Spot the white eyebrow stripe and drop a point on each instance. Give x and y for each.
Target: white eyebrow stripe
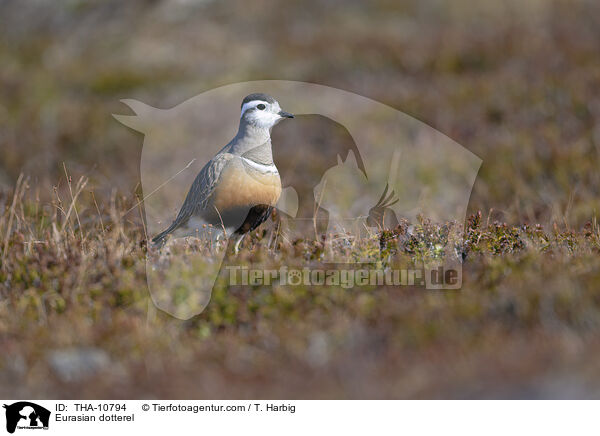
(252, 104)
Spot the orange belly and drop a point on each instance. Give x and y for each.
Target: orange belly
(241, 187)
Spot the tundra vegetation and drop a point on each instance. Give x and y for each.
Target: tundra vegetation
(517, 83)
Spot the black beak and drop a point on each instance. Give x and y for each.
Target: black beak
(283, 114)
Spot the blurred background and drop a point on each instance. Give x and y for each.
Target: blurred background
(515, 82)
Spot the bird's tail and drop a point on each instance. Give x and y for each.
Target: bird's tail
(159, 240)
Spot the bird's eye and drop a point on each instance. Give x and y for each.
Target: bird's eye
(261, 107)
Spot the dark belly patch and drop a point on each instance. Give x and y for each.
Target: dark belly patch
(256, 216)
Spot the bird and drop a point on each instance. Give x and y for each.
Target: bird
(238, 188)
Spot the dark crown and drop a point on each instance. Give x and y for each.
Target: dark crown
(258, 96)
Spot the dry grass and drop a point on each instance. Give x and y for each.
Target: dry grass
(515, 83)
(529, 310)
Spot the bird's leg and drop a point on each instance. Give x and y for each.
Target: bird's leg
(236, 248)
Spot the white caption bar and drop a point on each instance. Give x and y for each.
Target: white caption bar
(299, 417)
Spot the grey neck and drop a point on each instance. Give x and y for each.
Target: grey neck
(253, 143)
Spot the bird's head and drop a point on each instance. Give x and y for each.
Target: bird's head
(262, 110)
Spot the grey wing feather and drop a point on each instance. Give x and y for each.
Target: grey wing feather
(199, 194)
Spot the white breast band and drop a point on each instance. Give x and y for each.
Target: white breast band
(271, 168)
